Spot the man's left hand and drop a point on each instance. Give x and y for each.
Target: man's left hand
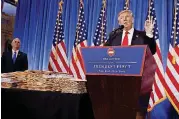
(149, 25)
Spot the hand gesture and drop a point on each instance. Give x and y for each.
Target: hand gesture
(149, 25)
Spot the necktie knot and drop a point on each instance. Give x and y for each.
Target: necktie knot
(126, 32)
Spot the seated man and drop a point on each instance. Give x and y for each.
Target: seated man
(14, 60)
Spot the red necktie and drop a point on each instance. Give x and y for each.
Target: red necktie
(125, 40)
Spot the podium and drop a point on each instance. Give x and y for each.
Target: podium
(116, 78)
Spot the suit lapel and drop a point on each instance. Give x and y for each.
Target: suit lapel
(117, 40)
(10, 57)
(120, 38)
(134, 37)
(18, 55)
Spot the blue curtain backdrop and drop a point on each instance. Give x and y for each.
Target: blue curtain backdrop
(35, 21)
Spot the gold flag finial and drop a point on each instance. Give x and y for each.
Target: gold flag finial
(81, 2)
(60, 5)
(104, 3)
(126, 5)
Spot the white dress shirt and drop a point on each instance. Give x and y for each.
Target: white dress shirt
(130, 34)
(17, 51)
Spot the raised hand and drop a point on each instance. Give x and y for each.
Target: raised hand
(149, 25)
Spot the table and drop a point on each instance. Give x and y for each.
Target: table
(27, 104)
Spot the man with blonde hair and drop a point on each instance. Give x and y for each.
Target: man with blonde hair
(14, 60)
(130, 36)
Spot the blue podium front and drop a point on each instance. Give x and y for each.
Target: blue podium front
(116, 79)
(114, 60)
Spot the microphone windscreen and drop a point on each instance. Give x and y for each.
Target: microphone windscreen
(122, 26)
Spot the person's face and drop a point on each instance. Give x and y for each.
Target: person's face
(126, 19)
(16, 44)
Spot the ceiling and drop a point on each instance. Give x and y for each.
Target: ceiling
(9, 7)
(10, 2)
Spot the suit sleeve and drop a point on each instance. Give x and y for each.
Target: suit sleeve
(25, 63)
(3, 63)
(151, 44)
(112, 36)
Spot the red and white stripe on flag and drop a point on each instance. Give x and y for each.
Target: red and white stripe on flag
(76, 65)
(172, 76)
(158, 92)
(172, 69)
(58, 59)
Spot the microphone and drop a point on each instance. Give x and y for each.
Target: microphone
(113, 34)
(120, 28)
(117, 30)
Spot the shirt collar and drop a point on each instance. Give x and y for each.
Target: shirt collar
(130, 31)
(14, 51)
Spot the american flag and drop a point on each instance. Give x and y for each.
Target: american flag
(126, 5)
(76, 67)
(100, 36)
(172, 69)
(58, 59)
(158, 92)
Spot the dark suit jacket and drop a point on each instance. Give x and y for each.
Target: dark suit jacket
(138, 38)
(7, 65)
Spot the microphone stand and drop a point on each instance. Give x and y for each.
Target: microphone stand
(114, 33)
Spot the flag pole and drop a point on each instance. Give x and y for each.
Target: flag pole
(149, 9)
(174, 36)
(81, 3)
(102, 32)
(61, 6)
(77, 31)
(59, 12)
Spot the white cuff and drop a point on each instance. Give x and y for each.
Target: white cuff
(149, 35)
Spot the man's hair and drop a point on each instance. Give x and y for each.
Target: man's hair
(129, 11)
(16, 38)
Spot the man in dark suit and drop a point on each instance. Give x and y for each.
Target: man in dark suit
(130, 36)
(127, 35)
(14, 60)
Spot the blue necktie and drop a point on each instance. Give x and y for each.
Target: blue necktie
(14, 57)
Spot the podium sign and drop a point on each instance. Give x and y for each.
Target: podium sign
(117, 77)
(114, 60)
